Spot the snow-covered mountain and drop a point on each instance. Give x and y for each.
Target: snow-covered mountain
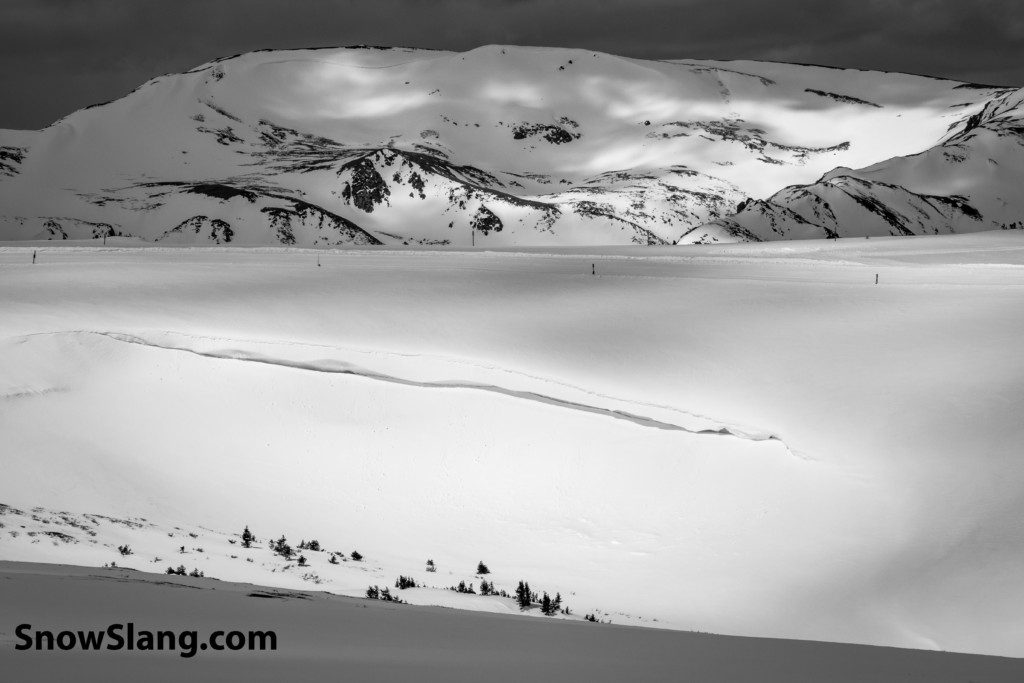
(507, 146)
(967, 182)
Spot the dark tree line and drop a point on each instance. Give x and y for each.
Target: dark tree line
(404, 582)
(181, 571)
(378, 593)
(549, 606)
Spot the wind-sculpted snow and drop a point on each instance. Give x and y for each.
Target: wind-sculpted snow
(415, 147)
(571, 398)
(346, 368)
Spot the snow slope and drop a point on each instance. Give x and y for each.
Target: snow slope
(497, 146)
(749, 439)
(967, 182)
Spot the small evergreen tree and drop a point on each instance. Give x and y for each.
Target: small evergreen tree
(334, 559)
(481, 568)
(281, 547)
(247, 538)
(523, 595)
(545, 605)
(357, 556)
(430, 566)
(373, 592)
(302, 560)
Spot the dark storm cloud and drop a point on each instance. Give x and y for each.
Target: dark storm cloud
(59, 55)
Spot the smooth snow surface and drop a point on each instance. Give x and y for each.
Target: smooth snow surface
(747, 439)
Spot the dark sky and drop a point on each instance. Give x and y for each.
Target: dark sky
(60, 55)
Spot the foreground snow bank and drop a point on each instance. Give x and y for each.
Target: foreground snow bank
(320, 636)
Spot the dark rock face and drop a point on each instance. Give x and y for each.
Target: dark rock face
(10, 159)
(101, 230)
(54, 230)
(281, 223)
(338, 230)
(367, 188)
(220, 232)
(63, 228)
(556, 135)
(225, 136)
(224, 192)
(846, 99)
(738, 130)
(485, 221)
(417, 183)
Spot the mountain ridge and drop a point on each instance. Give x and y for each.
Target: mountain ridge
(499, 146)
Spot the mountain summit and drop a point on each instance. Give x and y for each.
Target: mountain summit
(503, 146)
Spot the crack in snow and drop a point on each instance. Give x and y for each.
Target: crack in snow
(339, 367)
